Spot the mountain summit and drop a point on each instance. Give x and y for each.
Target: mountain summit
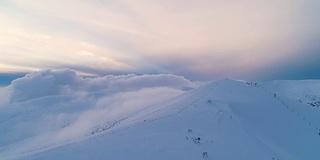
(224, 120)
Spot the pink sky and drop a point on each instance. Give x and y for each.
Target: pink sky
(206, 39)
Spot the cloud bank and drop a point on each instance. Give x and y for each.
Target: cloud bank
(56, 106)
(64, 82)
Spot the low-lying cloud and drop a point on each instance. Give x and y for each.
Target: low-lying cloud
(115, 107)
(55, 106)
(62, 82)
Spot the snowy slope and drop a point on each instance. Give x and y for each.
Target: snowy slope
(304, 91)
(234, 120)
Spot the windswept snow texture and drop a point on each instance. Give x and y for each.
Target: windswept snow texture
(304, 91)
(227, 119)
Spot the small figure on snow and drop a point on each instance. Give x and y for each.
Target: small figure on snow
(197, 140)
(189, 130)
(205, 155)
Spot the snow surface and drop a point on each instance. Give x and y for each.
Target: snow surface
(234, 120)
(304, 91)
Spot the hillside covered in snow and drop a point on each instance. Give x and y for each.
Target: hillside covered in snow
(57, 115)
(304, 91)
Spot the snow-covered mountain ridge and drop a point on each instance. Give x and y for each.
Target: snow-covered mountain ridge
(304, 91)
(224, 120)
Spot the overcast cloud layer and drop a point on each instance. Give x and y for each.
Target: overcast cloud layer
(206, 39)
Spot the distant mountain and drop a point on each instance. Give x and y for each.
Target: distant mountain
(225, 120)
